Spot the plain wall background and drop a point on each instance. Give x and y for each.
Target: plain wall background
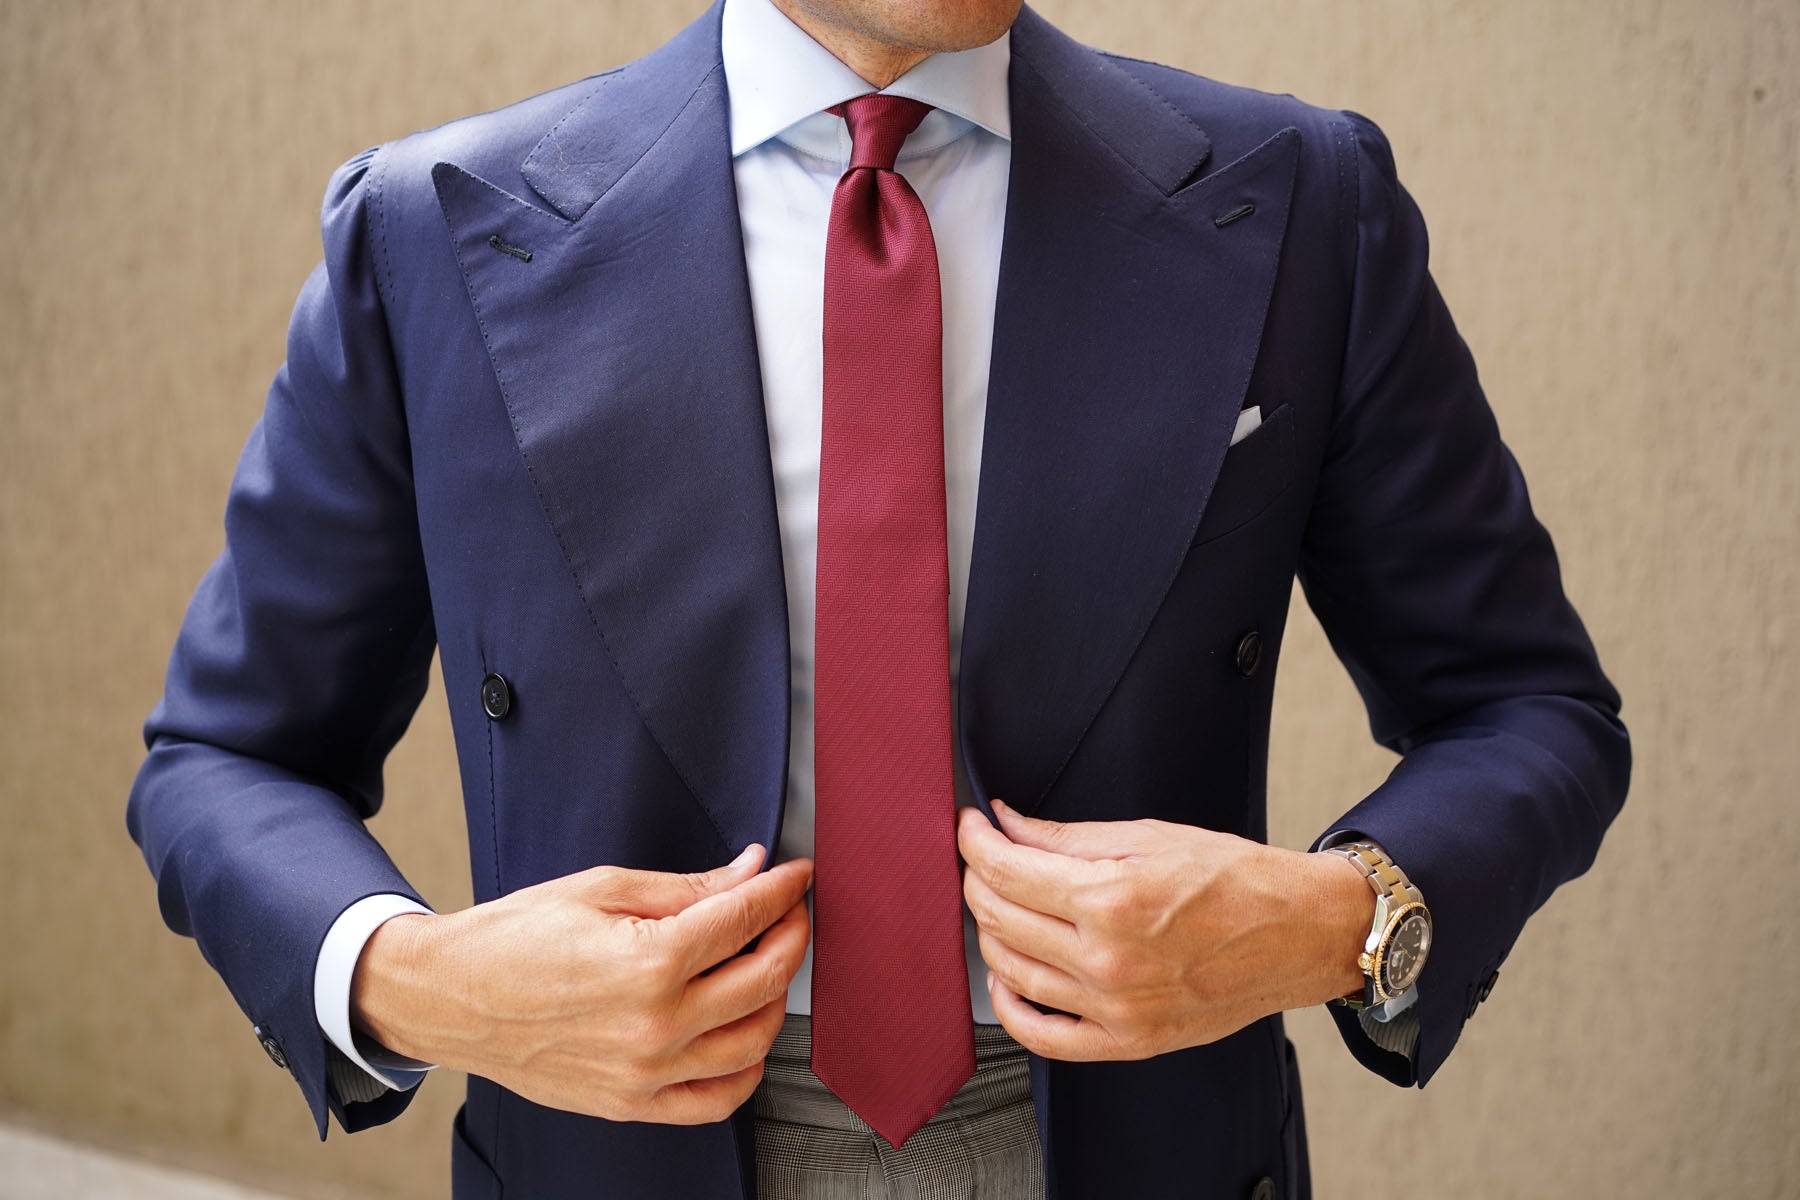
(1612, 190)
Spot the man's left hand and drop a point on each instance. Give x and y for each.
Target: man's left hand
(1150, 936)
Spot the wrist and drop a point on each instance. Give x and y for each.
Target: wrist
(392, 983)
(1345, 912)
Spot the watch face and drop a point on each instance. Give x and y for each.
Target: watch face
(1406, 951)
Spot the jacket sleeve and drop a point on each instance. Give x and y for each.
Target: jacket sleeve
(300, 661)
(1441, 594)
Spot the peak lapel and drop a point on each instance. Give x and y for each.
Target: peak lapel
(624, 349)
(1126, 327)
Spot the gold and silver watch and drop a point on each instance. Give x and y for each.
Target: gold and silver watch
(1400, 939)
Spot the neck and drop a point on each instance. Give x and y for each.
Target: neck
(876, 62)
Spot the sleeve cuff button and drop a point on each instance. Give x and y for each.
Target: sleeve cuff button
(271, 1046)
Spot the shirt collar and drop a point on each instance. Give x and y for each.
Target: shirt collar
(777, 76)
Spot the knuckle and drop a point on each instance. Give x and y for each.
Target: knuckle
(1033, 1041)
(594, 887)
(979, 905)
(1120, 1017)
(657, 1032)
(993, 951)
(636, 1078)
(1109, 968)
(743, 1088)
(1113, 905)
(751, 1053)
(653, 960)
(646, 937)
(737, 923)
(773, 979)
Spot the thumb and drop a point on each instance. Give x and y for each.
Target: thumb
(1077, 839)
(656, 894)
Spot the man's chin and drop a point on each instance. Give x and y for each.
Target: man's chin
(931, 26)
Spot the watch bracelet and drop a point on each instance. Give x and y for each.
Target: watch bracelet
(1376, 865)
(1389, 882)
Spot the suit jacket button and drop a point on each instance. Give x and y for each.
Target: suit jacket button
(496, 697)
(1481, 993)
(1249, 653)
(271, 1046)
(1264, 1189)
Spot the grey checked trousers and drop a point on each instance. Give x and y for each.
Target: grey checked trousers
(982, 1145)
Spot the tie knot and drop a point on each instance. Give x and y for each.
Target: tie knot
(878, 127)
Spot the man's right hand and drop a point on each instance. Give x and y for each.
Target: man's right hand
(592, 993)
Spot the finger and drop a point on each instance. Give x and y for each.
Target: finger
(746, 982)
(1079, 839)
(718, 926)
(1036, 879)
(1032, 979)
(703, 1101)
(1050, 1035)
(1049, 939)
(654, 894)
(731, 1048)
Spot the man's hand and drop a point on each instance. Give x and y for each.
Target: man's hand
(1153, 936)
(592, 993)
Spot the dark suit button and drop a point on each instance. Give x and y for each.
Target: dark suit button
(1482, 993)
(1264, 1189)
(1249, 653)
(270, 1046)
(496, 697)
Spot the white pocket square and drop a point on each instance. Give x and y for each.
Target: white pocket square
(1247, 422)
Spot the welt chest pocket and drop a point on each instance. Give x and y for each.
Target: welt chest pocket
(1255, 473)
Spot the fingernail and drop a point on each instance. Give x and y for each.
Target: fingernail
(990, 981)
(999, 803)
(746, 854)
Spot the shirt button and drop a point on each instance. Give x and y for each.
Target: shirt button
(496, 697)
(1249, 653)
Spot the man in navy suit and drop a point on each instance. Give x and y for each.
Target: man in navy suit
(552, 407)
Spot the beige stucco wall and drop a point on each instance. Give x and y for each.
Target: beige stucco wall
(1612, 186)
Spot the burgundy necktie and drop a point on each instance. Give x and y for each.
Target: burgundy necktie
(891, 1027)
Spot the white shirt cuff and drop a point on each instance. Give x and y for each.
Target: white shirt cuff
(342, 946)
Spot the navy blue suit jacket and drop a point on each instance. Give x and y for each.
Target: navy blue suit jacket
(557, 469)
